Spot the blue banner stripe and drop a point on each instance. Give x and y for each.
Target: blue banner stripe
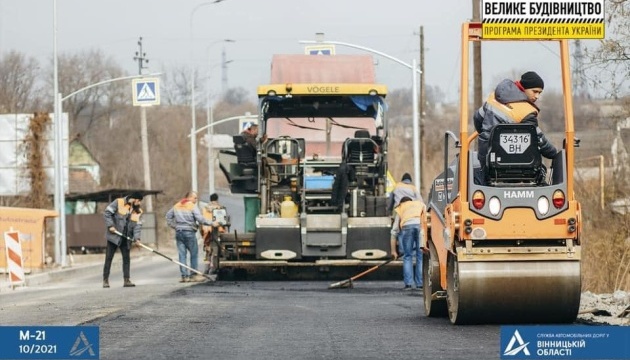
(565, 342)
(49, 342)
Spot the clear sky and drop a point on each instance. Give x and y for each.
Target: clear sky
(262, 28)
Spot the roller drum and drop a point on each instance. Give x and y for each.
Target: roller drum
(513, 291)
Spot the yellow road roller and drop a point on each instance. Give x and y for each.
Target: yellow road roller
(503, 232)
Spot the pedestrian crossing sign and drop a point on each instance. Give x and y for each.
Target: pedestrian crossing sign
(244, 124)
(146, 91)
(320, 50)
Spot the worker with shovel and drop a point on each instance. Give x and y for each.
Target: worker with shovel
(122, 219)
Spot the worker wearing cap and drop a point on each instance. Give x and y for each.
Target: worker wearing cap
(122, 220)
(404, 188)
(511, 102)
(250, 133)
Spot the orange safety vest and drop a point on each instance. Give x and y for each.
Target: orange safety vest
(517, 111)
(409, 210)
(124, 209)
(185, 206)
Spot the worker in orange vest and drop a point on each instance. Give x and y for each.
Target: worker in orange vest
(407, 223)
(185, 218)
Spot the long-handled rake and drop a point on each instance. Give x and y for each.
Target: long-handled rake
(165, 256)
(348, 283)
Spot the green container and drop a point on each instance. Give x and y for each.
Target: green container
(252, 209)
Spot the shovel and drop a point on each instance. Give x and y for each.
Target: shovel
(165, 256)
(348, 283)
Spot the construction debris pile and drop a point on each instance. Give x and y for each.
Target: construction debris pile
(610, 309)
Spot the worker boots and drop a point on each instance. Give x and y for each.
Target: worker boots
(105, 283)
(128, 283)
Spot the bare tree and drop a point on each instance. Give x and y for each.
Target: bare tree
(77, 71)
(235, 96)
(18, 75)
(399, 105)
(610, 60)
(175, 89)
(233, 105)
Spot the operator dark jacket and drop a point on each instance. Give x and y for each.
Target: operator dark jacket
(126, 219)
(508, 104)
(249, 138)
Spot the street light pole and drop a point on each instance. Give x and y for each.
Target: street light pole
(232, 118)
(193, 139)
(60, 197)
(210, 120)
(416, 126)
(415, 117)
(59, 248)
(340, 43)
(210, 151)
(107, 82)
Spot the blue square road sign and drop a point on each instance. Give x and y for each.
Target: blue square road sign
(146, 91)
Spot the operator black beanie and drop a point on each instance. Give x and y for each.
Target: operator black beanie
(136, 195)
(406, 176)
(531, 80)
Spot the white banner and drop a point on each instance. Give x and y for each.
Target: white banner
(14, 178)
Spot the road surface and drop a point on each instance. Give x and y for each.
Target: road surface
(163, 319)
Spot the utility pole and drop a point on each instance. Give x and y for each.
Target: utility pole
(422, 107)
(477, 80)
(141, 59)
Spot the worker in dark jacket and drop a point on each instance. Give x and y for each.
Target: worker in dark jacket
(122, 216)
(402, 189)
(250, 135)
(511, 102)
